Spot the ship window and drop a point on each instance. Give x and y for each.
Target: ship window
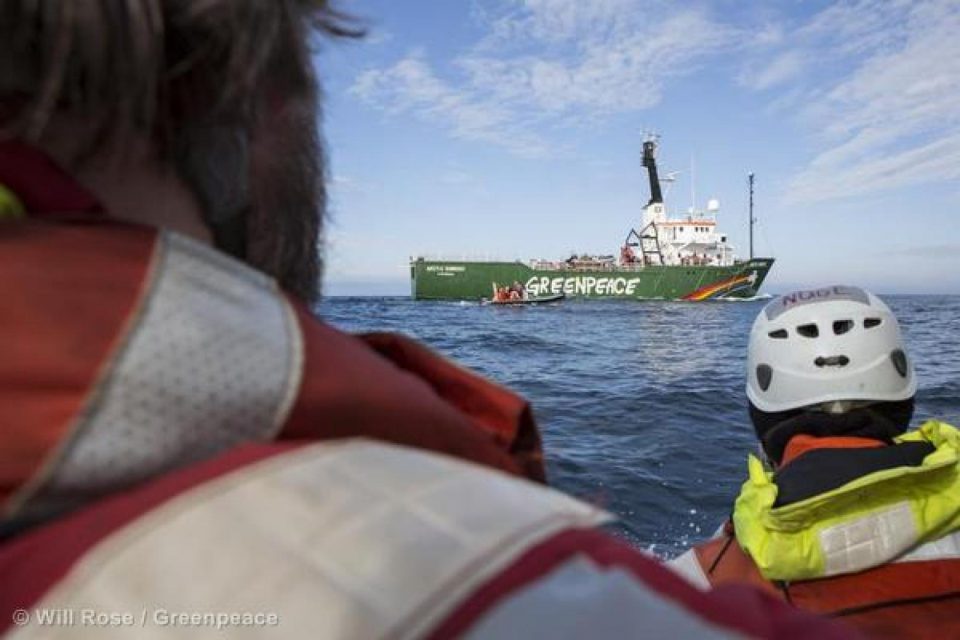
(681, 229)
(779, 334)
(870, 323)
(840, 327)
(808, 330)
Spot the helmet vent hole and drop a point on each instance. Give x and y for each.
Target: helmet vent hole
(840, 327)
(779, 334)
(899, 362)
(832, 361)
(764, 376)
(870, 323)
(808, 330)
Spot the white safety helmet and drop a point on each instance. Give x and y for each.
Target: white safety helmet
(827, 346)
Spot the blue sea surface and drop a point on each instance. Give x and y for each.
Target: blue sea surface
(641, 404)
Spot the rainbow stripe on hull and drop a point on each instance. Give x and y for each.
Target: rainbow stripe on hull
(728, 287)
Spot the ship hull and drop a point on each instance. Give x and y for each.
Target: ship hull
(450, 280)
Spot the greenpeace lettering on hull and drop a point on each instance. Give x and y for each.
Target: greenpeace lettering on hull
(582, 286)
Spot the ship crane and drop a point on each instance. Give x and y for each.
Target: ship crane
(648, 238)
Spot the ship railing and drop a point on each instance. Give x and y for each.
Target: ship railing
(450, 257)
(561, 265)
(542, 265)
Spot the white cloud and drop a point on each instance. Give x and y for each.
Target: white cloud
(410, 85)
(517, 22)
(876, 83)
(887, 116)
(609, 69)
(783, 67)
(768, 35)
(826, 178)
(544, 63)
(858, 26)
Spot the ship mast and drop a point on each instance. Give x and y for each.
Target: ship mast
(649, 149)
(653, 213)
(752, 219)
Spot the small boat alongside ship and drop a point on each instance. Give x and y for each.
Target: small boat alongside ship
(548, 299)
(673, 258)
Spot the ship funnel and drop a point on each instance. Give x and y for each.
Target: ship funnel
(649, 151)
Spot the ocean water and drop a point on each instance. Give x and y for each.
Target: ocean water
(641, 404)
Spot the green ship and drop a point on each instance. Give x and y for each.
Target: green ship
(669, 258)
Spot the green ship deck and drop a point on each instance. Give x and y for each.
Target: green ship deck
(466, 280)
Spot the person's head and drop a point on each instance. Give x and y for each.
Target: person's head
(828, 361)
(222, 92)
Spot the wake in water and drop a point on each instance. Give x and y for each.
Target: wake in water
(759, 296)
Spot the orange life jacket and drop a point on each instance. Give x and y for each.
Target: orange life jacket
(911, 599)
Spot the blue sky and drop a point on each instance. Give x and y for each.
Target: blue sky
(512, 129)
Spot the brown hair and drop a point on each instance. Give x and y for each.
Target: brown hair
(224, 89)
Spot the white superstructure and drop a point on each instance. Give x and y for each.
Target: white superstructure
(692, 239)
